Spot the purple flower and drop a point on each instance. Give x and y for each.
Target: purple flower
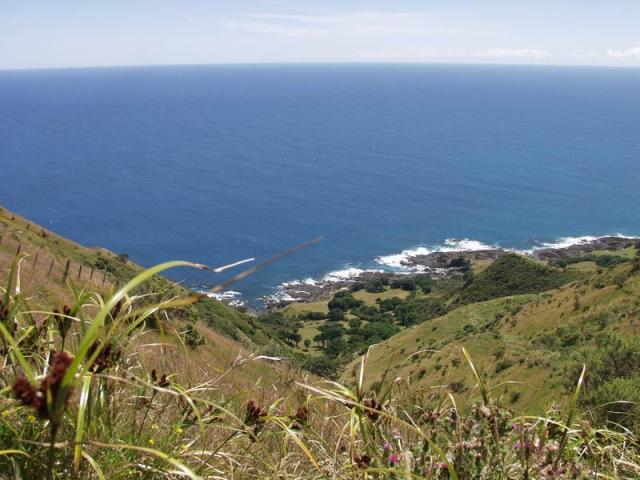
(386, 446)
(393, 459)
(517, 445)
(442, 466)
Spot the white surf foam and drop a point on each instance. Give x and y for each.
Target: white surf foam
(464, 245)
(565, 242)
(229, 297)
(347, 274)
(398, 260)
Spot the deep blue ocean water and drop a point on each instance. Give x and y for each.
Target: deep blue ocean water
(218, 163)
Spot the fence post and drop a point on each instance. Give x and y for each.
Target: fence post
(91, 276)
(104, 276)
(19, 248)
(66, 271)
(35, 260)
(79, 272)
(50, 267)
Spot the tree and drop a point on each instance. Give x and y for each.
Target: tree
(344, 300)
(460, 263)
(405, 283)
(335, 315)
(336, 346)
(376, 285)
(324, 366)
(307, 344)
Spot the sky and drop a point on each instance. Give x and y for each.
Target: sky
(85, 33)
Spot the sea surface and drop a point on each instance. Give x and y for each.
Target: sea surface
(219, 163)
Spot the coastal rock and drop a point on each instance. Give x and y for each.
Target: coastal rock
(585, 247)
(437, 265)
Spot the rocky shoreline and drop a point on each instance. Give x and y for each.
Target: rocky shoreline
(438, 265)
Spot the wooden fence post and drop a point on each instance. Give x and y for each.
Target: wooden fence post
(50, 267)
(91, 276)
(35, 260)
(104, 276)
(79, 272)
(19, 248)
(66, 271)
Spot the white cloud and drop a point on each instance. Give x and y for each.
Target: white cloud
(585, 55)
(351, 23)
(427, 54)
(515, 53)
(633, 52)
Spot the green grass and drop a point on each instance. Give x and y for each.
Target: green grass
(129, 399)
(371, 298)
(508, 338)
(513, 274)
(168, 414)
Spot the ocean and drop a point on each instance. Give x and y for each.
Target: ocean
(219, 163)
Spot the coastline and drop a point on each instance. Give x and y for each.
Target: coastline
(434, 261)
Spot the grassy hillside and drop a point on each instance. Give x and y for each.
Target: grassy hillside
(131, 382)
(512, 274)
(522, 344)
(97, 269)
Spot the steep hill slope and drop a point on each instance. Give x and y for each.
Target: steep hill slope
(48, 256)
(512, 274)
(527, 339)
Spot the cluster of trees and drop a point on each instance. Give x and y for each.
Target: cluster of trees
(602, 261)
(352, 325)
(409, 283)
(285, 328)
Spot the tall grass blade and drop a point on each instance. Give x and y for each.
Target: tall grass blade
(82, 410)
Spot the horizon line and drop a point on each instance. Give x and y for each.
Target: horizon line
(294, 63)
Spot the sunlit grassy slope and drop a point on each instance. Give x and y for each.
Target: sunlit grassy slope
(525, 339)
(122, 386)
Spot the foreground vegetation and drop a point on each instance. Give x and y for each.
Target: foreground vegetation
(80, 400)
(140, 378)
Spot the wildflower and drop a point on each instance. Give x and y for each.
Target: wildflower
(31, 418)
(431, 416)
(63, 320)
(373, 409)
(155, 427)
(255, 413)
(301, 417)
(106, 359)
(362, 461)
(28, 395)
(4, 312)
(164, 381)
(152, 441)
(517, 445)
(179, 430)
(393, 459)
(116, 309)
(386, 447)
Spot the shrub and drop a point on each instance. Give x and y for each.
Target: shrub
(512, 274)
(335, 315)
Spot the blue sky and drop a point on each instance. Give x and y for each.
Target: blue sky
(77, 33)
